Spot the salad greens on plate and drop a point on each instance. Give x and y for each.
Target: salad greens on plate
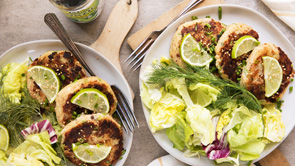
(206, 115)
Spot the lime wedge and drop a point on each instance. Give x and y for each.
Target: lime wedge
(4, 138)
(91, 153)
(244, 45)
(273, 75)
(47, 80)
(203, 94)
(92, 99)
(192, 54)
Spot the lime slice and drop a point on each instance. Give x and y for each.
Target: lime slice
(244, 45)
(203, 94)
(91, 153)
(92, 99)
(192, 54)
(47, 80)
(4, 138)
(273, 75)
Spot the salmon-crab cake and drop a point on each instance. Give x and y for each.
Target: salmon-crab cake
(232, 68)
(206, 31)
(66, 111)
(253, 76)
(65, 65)
(93, 129)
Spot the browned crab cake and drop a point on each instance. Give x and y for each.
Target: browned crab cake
(65, 65)
(253, 77)
(66, 111)
(207, 31)
(228, 67)
(93, 129)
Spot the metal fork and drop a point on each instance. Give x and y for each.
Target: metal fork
(123, 109)
(139, 53)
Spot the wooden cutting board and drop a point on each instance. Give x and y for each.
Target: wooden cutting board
(117, 26)
(119, 23)
(276, 158)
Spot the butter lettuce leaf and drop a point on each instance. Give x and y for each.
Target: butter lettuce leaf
(38, 147)
(163, 114)
(200, 120)
(274, 129)
(22, 160)
(179, 134)
(245, 131)
(14, 80)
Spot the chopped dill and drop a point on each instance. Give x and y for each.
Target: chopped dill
(230, 90)
(16, 116)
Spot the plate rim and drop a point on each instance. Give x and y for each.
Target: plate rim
(56, 41)
(146, 110)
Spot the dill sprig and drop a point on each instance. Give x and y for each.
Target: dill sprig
(16, 116)
(229, 90)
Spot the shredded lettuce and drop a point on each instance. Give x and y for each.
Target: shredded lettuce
(163, 114)
(15, 79)
(3, 158)
(200, 121)
(203, 94)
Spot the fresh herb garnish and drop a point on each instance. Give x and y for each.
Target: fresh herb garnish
(291, 89)
(230, 90)
(279, 104)
(194, 17)
(16, 116)
(208, 16)
(219, 13)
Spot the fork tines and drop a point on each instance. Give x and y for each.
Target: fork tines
(129, 120)
(136, 57)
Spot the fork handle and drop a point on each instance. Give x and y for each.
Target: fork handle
(54, 24)
(192, 4)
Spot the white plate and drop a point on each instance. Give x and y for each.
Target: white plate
(100, 66)
(167, 160)
(230, 14)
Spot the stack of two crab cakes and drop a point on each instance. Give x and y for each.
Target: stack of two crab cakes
(248, 68)
(93, 128)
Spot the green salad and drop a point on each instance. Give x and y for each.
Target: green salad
(206, 115)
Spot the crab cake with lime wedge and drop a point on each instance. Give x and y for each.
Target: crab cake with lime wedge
(240, 38)
(94, 140)
(84, 96)
(63, 63)
(206, 33)
(280, 72)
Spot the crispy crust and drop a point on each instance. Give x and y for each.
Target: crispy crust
(201, 35)
(93, 129)
(253, 77)
(226, 65)
(64, 108)
(63, 63)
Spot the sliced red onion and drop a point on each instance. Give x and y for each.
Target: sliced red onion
(39, 127)
(218, 148)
